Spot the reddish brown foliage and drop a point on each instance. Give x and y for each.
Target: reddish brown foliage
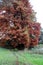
(16, 26)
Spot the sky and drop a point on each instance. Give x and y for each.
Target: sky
(38, 7)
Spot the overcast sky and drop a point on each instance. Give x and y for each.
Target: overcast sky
(38, 7)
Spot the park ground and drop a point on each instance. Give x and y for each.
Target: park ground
(24, 57)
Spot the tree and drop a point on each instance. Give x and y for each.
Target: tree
(17, 24)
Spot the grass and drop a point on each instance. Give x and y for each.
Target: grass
(10, 57)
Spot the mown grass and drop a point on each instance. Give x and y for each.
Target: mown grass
(11, 57)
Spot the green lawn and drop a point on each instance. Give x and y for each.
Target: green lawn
(9, 57)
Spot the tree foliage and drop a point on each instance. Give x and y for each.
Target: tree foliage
(17, 24)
